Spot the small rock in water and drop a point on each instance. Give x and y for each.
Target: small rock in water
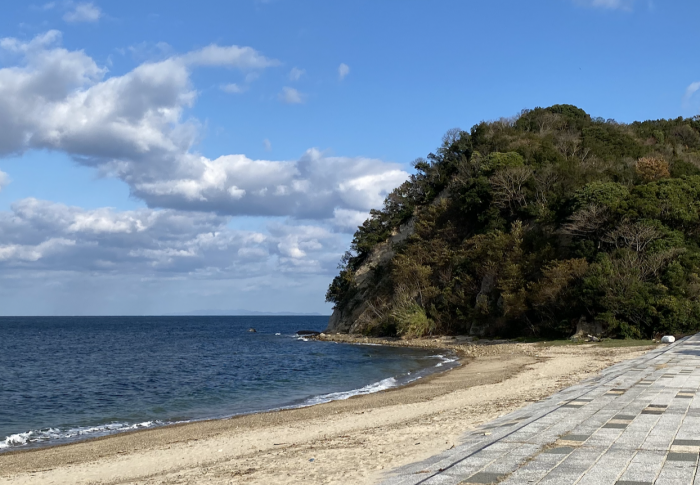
(668, 339)
(252, 330)
(306, 333)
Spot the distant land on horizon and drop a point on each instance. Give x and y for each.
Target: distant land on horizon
(243, 313)
(203, 313)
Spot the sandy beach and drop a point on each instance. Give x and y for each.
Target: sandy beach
(353, 441)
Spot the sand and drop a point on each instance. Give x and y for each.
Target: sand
(354, 441)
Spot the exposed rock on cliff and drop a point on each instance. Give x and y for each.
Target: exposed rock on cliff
(369, 276)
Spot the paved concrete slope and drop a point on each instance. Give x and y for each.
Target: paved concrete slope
(637, 423)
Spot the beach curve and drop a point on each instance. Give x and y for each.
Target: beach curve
(350, 441)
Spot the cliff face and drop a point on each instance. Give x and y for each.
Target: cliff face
(347, 319)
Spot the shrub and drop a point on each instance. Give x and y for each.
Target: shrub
(651, 168)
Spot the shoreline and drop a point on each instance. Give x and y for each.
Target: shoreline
(428, 373)
(418, 381)
(356, 439)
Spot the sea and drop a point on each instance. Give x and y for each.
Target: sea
(65, 379)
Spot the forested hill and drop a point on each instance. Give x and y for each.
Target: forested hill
(527, 225)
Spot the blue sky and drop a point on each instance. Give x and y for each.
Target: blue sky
(163, 157)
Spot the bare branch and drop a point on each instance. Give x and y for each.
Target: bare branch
(568, 144)
(549, 121)
(587, 221)
(545, 179)
(634, 235)
(652, 264)
(508, 187)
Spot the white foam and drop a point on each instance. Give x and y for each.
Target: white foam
(53, 434)
(382, 385)
(444, 360)
(18, 439)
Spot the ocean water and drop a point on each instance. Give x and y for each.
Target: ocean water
(69, 378)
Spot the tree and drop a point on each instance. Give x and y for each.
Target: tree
(652, 168)
(524, 225)
(633, 235)
(508, 187)
(588, 221)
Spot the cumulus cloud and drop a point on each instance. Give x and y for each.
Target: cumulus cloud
(343, 70)
(311, 187)
(267, 144)
(347, 220)
(39, 42)
(131, 127)
(296, 73)
(291, 96)
(82, 12)
(134, 127)
(54, 236)
(31, 253)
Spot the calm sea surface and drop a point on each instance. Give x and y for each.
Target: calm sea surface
(68, 378)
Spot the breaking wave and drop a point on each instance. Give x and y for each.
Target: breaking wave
(54, 434)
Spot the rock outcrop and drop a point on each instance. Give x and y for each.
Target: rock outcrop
(347, 318)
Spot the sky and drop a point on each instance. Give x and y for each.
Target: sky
(161, 157)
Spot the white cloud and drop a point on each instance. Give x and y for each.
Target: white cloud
(148, 51)
(135, 127)
(131, 127)
(233, 88)
(347, 220)
(83, 12)
(57, 237)
(311, 187)
(291, 96)
(228, 56)
(608, 4)
(343, 70)
(18, 252)
(296, 73)
(689, 92)
(41, 41)
(267, 144)
(4, 179)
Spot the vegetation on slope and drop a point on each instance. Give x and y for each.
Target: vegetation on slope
(524, 226)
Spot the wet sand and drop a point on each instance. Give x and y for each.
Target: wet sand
(353, 441)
